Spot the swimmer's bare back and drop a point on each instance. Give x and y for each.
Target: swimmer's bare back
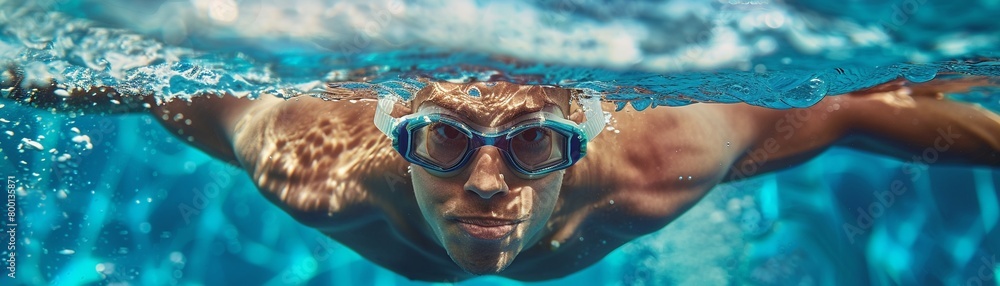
(325, 163)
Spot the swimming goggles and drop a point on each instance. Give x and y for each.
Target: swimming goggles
(534, 144)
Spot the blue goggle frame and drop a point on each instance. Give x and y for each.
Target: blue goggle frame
(400, 131)
(574, 149)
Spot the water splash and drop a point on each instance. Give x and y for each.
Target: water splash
(920, 73)
(806, 94)
(43, 45)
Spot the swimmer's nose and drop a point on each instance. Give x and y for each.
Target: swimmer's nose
(486, 179)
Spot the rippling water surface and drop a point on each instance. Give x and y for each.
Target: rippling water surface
(118, 200)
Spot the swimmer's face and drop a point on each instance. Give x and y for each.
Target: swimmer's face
(485, 214)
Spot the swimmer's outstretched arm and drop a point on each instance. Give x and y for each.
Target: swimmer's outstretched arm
(55, 97)
(209, 121)
(902, 121)
(206, 121)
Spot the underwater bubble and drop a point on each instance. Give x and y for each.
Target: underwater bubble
(805, 95)
(920, 73)
(760, 68)
(67, 252)
(83, 139)
(145, 227)
(717, 217)
(176, 257)
(190, 166)
(32, 144)
(739, 91)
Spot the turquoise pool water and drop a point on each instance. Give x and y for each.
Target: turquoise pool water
(104, 199)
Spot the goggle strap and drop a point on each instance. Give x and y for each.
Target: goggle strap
(383, 117)
(595, 116)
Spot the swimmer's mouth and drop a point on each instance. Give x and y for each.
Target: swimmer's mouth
(486, 228)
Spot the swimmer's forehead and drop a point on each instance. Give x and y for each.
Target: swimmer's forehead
(496, 103)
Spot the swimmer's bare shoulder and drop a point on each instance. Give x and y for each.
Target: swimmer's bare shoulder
(323, 162)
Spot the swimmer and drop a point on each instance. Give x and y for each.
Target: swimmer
(520, 181)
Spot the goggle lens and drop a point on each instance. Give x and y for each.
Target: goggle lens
(441, 144)
(446, 145)
(536, 148)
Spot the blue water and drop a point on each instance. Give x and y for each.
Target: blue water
(139, 207)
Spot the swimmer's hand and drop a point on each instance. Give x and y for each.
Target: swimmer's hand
(906, 120)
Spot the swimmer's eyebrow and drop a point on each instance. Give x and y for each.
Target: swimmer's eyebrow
(548, 108)
(509, 117)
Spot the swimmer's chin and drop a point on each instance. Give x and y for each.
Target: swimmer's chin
(483, 267)
(480, 271)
